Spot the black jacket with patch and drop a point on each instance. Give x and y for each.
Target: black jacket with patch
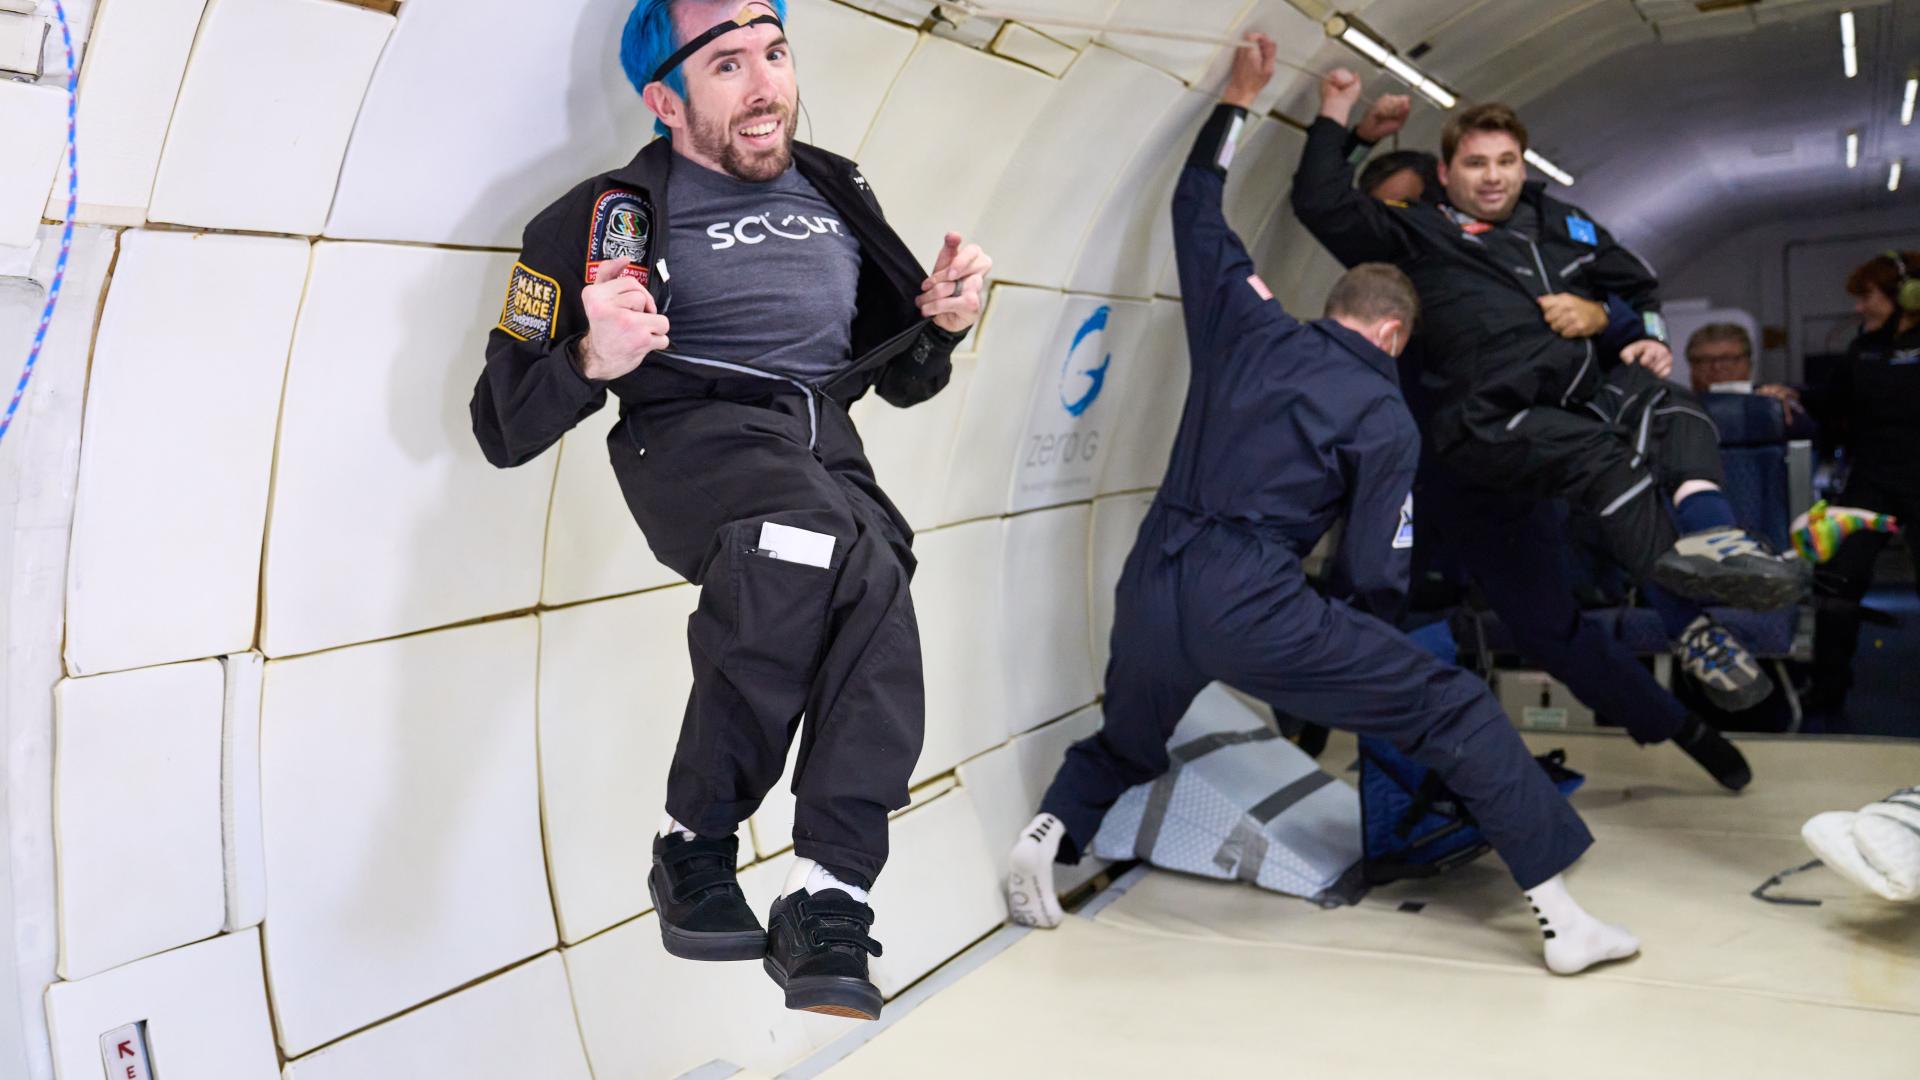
(1491, 352)
(532, 392)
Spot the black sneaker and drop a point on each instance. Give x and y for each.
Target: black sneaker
(703, 913)
(1705, 745)
(1727, 566)
(1722, 666)
(817, 949)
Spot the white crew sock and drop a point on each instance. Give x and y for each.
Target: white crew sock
(814, 878)
(1575, 940)
(668, 826)
(1689, 488)
(1031, 900)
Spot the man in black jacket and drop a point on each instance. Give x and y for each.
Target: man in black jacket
(786, 298)
(1517, 407)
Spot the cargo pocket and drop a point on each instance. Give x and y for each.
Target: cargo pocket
(775, 611)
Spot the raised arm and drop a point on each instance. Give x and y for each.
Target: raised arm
(1221, 294)
(1354, 227)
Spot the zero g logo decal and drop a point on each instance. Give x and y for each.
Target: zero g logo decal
(1080, 379)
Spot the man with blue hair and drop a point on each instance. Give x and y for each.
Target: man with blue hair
(788, 297)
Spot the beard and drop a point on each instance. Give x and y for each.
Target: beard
(714, 139)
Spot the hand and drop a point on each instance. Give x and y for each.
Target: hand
(1571, 316)
(1650, 354)
(1787, 396)
(1387, 117)
(951, 294)
(1339, 92)
(1252, 70)
(622, 325)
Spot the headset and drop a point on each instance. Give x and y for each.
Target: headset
(1907, 293)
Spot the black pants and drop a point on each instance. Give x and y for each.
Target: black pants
(1619, 454)
(1849, 574)
(773, 640)
(1229, 606)
(1516, 549)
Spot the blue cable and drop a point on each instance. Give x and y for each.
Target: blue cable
(66, 235)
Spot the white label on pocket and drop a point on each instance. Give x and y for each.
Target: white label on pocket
(788, 544)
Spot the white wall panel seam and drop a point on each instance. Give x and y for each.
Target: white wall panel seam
(346, 149)
(273, 471)
(408, 1011)
(888, 96)
(166, 136)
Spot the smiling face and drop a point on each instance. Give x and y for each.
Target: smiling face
(1486, 174)
(742, 94)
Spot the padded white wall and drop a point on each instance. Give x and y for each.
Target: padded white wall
(402, 823)
(1099, 117)
(33, 129)
(204, 1006)
(137, 814)
(264, 113)
(520, 109)
(136, 58)
(178, 448)
(930, 186)
(614, 678)
(386, 519)
(511, 1027)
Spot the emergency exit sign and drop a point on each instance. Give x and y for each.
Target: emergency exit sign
(124, 1050)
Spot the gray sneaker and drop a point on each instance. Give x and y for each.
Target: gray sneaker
(1722, 666)
(1728, 566)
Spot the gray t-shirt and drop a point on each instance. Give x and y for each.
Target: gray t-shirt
(762, 274)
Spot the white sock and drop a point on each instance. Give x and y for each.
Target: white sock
(1689, 488)
(811, 876)
(668, 826)
(1575, 940)
(1031, 900)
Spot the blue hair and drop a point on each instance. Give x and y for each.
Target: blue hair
(648, 40)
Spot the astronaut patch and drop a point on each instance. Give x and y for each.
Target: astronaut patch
(620, 229)
(533, 303)
(1403, 536)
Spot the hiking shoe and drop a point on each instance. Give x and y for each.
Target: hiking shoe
(703, 913)
(1722, 666)
(817, 949)
(1727, 566)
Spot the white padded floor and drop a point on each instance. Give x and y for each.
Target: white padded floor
(1217, 979)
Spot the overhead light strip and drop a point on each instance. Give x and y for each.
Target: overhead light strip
(1549, 168)
(1906, 103)
(1893, 175)
(1853, 149)
(1349, 31)
(1849, 53)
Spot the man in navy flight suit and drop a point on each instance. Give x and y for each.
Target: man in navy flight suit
(1289, 426)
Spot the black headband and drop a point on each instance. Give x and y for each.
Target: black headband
(738, 22)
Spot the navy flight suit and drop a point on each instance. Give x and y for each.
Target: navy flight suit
(1288, 427)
